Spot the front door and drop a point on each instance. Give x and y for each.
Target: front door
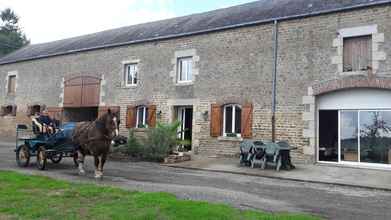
(185, 117)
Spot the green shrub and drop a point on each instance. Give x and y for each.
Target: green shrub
(158, 144)
(160, 141)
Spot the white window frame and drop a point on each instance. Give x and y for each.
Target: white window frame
(144, 119)
(134, 77)
(234, 106)
(357, 163)
(189, 73)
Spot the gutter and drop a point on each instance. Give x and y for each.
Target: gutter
(173, 36)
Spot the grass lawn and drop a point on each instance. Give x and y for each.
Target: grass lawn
(35, 197)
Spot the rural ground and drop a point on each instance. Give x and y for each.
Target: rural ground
(246, 192)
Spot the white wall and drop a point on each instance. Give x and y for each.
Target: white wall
(355, 99)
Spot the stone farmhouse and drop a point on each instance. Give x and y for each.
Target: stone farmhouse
(320, 69)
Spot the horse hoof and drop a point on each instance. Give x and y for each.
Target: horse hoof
(98, 177)
(82, 172)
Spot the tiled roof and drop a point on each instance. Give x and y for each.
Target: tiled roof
(247, 14)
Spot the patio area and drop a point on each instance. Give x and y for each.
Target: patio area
(317, 173)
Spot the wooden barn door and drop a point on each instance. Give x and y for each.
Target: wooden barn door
(82, 91)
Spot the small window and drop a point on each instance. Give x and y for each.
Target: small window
(131, 74)
(185, 66)
(232, 120)
(142, 117)
(9, 110)
(357, 53)
(11, 84)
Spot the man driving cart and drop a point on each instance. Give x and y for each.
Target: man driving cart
(45, 124)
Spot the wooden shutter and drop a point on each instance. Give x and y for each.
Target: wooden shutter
(347, 55)
(151, 121)
(357, 53)
(11, 84)
(130, 117)
(247, 121)
(215, 120)
(14, 109)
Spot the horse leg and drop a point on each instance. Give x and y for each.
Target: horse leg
(80, 160)
(97, 162)
(102, 163)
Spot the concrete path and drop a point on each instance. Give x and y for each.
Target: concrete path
(242, 191)
(338, 175)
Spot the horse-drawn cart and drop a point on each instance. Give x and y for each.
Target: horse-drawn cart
(55, 147)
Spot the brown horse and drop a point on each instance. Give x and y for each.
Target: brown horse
(94, 138)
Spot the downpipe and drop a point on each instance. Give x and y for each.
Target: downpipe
(274, 80)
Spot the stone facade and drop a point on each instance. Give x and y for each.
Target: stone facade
(232, 66)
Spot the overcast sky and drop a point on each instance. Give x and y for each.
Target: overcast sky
(49, 20)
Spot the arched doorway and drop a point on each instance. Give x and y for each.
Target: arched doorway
(354, 127)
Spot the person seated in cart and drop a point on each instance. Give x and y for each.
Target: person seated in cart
(45, 124)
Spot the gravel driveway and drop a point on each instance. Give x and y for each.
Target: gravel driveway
(328, 201)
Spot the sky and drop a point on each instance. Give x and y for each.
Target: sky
(49, 20)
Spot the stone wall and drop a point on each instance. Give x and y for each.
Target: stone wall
(231, 66)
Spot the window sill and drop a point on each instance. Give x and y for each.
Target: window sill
(129, 87)
(232, 139)
(355, 73)
(184, 83)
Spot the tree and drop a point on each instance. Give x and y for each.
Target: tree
(11, 35)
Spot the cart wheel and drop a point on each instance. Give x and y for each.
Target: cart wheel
(41, 158)
(279, 163)
(22, 156)
(75, 157)
(56, 158)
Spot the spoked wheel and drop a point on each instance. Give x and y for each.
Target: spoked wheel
(41, 158)
(22, 156)
(75, 161)
(56, 158)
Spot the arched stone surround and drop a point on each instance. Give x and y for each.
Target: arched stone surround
(349, 82)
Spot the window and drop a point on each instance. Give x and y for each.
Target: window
(11, 84)
(142, 117)
(185, 66)
(232, 121)
(8, 110)
(131, 74)
(357, 53)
